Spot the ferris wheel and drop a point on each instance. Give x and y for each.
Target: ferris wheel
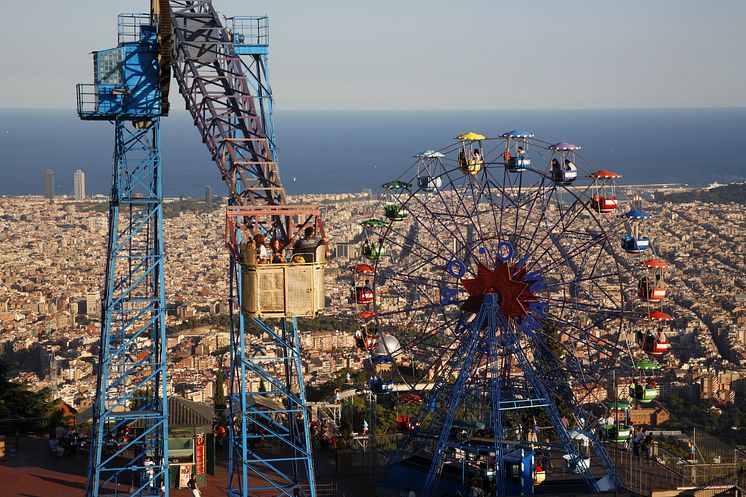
(496, 282)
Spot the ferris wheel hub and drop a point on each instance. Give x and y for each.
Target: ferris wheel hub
(506, 283)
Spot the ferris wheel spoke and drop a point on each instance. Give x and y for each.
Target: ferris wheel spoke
(593, 277)
(591, 308)
(542, 242)
(573, 331)
(461, 201)
(412, 252)
(569, 256)
(434, 215)
(540, 194)
(427, 336)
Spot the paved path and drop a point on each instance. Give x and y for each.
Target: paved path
(34, 472)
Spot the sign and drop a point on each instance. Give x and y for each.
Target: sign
(199, 451)
(185, 473)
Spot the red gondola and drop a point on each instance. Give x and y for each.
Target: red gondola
(604, 198)
(657, 345)
(365, 340)
(652, 287)
(363, 292)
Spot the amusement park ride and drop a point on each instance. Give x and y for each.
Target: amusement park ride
(489, 274)
(497, 282)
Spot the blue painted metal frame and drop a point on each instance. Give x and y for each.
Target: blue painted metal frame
(130, 413)
(131, 389)
(489, 335)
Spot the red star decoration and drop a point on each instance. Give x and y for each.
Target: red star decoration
(511, 293)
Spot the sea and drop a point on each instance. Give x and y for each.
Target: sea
(347, 151)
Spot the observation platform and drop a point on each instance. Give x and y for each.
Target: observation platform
(250, 35)
(126, 78)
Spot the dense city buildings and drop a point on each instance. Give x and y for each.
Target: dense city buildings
(51, 275)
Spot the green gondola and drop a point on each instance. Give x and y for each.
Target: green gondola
(396, 185)
(373, 251)
(373, 223)
(395, 212)
(619, 433)
(650, 391)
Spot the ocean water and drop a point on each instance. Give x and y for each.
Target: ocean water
(346, 151)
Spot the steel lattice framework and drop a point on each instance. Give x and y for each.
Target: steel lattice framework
(129, 455)
(131, 417)
(230, 101)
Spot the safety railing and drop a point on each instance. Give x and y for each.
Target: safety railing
(250, 30)
(128, 26)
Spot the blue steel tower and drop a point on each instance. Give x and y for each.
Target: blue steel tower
(129, 453)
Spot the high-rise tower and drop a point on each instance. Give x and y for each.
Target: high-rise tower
(49, 184)
(79, 185)
(208, 195)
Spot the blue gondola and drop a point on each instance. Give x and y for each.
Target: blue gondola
(426, 163)
(380, 387)
(516, 150)
(635, 242)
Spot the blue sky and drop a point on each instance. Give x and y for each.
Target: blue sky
(433, 54)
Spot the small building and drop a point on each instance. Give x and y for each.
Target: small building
(191, 443)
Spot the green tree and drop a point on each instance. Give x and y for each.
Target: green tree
(21, 409)
(219, 397)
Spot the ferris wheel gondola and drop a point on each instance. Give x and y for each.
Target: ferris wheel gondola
(426, 162)
(652, 286)
(656, 343)
(634, 242)
(516, 150)
(562, 166)
(604, 199)
(471, 153)
(645, 389)
(393, 210)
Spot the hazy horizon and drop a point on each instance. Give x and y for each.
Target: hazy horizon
(429, 55)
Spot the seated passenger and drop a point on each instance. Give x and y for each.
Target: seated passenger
(644, 287)
(476, 156)
(649, 341)
(661, 336)
(520, 151)
(306, 246)
(569, 166)
(556, 169)
(278, 251)
(261, 251)
(639, 391)
(372, 250)
(359, 339)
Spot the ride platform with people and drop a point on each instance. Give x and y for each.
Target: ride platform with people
(282, 252)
